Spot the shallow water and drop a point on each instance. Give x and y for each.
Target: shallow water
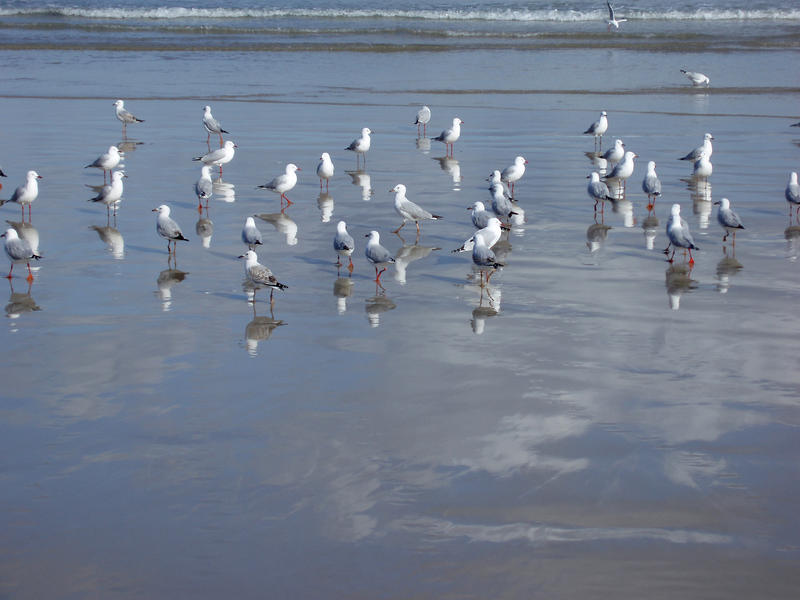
(594, 420)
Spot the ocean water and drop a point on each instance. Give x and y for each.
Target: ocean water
(595, 421)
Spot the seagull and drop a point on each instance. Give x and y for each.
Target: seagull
(260, 275)
(204, 187)
(491, 234)
(792, 193)
(702, 168)
(651, 185)
(408, 210)
(598, 191)
(344, 244)
(251, 236)
(167, 228)
(598, 128)
(450, 136)
(501, 205)
(212, 125)
(124, 116)
(480, 216)
(697, 79)
(728, 219)
(705, 147)
(483, 257)
(220, 156)
(612, 20)
(18, 251)
(423, 118)
(324, 169)
(622, 170)
(283, 183)
(361, 144)
(377, 254)
(26, 193)
(106, 161)
(615, 153)
(513, 173)
(111, 194)
(678, 234)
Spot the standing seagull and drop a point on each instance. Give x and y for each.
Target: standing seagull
(106, 161)
(18, 251)
(651, 185)
(450, 136)
(615, 153)
(220, 156)
(491, 234)
(260, 275)
(344, 244)
(26, 193)
(251, 236)
(111, 194)
(167, 228)
(283, 183)
(212, 125)
(513, 173)
(705, 148)
(598, 191)
(408, 210)
(697, 79)
(792, 192)
(622, 170)
(377, 254)
(204, 187)
(728, 219)
(702, 168)
(678, 234)
(360, 145)
(483, 257)
(423, 118)
(480, 216)
(124, 116)
(612, 20)
(501, 205)
(598, 128)
(325, 169)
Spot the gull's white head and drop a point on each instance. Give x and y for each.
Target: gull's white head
(595, 176)
(676, 210)
(708, 136)
(229, 145)
(724, 204)
(325, 156)
(520, 160)
(33, 175)
(10, 234)
(366, 131)
(793, 177)
(119, 103)
(399, 188)
(162, 210)
(341, 227)
(374, 237)
(291, 168)
(477, 206)
(651, 166)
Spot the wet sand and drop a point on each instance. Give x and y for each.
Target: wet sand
(565, 430)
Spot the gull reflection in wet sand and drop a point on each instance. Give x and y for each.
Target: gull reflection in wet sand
(283, 223)
(408, 254)
(127, 146)
(224, 191)
(342, 289)
(362, 179)
(166, 279)
(792, 236)
(204, 226)
(325, 204)
(678, 281)
(596, 234)
(423, 144)
(650, 227)
(377, 305)
(19, 303)
(259, 330)
(450, 165)
(701, 202)
(726, 267)
(625, 209)
(488, 306)
(112, 238)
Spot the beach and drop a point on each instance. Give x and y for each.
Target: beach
(595, 420)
